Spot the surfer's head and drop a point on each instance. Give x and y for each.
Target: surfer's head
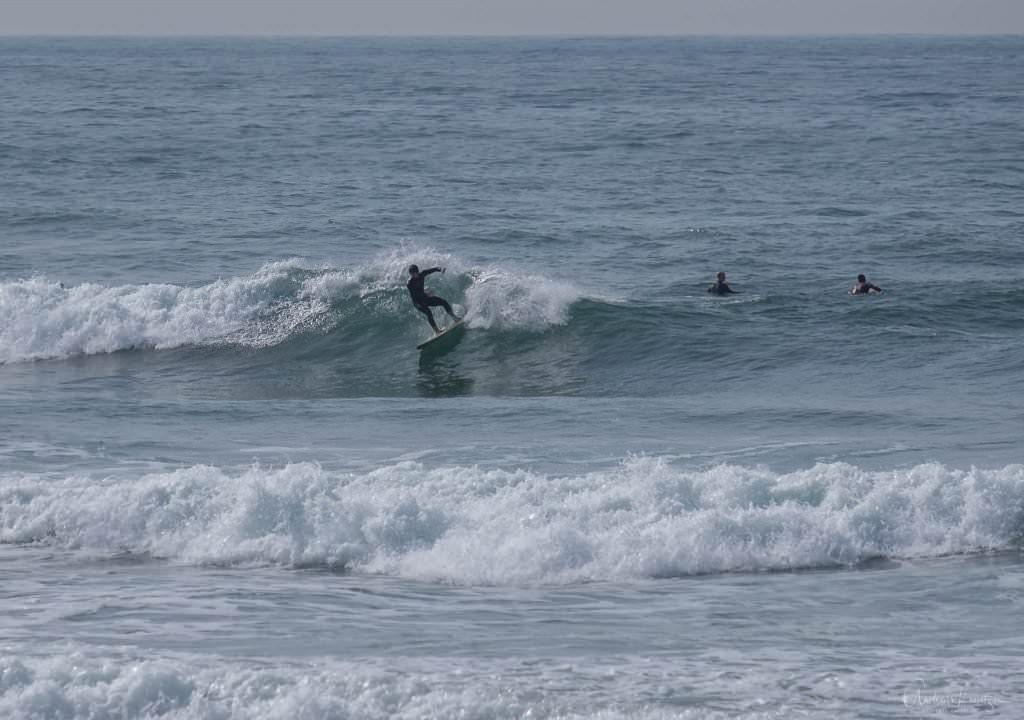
(861, 278)
(414, 269)
(720, 276)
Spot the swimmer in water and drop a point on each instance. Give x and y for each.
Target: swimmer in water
(863, 287)
(721, 287)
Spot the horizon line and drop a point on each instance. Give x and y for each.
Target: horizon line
(497, 35)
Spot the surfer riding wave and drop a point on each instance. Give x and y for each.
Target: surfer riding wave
(422, 300)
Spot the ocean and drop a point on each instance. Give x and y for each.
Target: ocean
(230, 486)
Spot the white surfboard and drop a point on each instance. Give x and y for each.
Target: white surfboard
(446, 338)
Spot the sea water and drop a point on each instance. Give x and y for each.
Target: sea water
(230, 487)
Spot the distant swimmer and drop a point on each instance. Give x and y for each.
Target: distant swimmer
(422, 300)
(721, 287)
(863, 287)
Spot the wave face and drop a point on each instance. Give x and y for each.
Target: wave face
(644, 519)
(41, 319)
(351, 332)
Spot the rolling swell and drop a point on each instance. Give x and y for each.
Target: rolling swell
(295, 329)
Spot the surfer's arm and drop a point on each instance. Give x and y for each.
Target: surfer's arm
(432, 270)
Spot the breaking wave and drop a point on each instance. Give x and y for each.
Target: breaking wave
(41, 319)
(644, 519)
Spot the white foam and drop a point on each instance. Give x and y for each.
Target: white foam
(41, 319)
(81, 685)
(521, 301)
(467, 525)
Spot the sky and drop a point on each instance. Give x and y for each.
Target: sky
(510, 17)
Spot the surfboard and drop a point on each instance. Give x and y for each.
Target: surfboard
(447, 338)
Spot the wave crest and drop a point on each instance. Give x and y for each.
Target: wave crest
(41, 319)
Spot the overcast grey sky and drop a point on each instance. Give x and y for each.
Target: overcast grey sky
(508, 17)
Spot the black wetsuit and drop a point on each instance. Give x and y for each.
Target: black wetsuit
(722, 288)
(422, 301)
(864, 288)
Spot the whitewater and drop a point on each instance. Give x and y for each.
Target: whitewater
(465, 525)
(231, 487)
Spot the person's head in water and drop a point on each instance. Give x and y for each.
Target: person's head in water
(414, 269)
(860, 278)
(720, 286)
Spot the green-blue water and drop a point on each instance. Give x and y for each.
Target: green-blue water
(231, 487)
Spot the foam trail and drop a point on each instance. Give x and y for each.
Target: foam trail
(644, 519)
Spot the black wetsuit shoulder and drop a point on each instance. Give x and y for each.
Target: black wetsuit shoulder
(415, 285)
(416, 289)
(721, 288)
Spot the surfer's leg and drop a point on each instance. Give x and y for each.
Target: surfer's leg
(439, 301)
(430, 316)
